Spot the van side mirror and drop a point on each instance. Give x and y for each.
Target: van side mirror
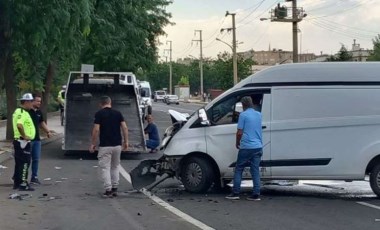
(203, 117)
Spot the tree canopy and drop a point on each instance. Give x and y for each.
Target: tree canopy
(343, 55)
(41, 40)
(375, 55)
(217, 74)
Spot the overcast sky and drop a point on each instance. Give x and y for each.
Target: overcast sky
(328, 25)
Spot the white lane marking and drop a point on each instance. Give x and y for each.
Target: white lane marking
(369, 205)
(167, 206)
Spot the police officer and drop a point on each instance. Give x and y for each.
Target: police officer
(24, 131)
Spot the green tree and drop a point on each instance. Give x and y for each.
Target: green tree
(183, 81)
(39, 36)
(124, 34)
(375, 54)
(343, 55)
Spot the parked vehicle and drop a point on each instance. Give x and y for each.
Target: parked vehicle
(159, 95)
(321, 121)
(82, 101)
(145, 98)
(171, 99)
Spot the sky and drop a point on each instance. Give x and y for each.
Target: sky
(329, 24)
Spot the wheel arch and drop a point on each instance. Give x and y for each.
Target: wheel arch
(375, 161)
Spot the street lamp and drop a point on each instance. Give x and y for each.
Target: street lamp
(224, 43)
(300, 53)
(234, 59)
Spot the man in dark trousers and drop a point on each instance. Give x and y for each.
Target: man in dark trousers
(153, 138)
(107, 125)
(24, 131)
(249, 143)
(39, 122)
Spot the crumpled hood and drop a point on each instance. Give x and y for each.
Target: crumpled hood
(177, 116)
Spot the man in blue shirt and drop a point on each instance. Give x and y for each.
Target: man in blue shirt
(249, 143)
(153, 138)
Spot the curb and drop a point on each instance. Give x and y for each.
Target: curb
(8, 153)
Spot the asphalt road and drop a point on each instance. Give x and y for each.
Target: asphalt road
(69, 198)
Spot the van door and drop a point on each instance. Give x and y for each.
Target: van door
(221, 134)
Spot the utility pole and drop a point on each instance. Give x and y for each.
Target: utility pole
(234, 56)
(200, 61)
(280, 14)
(170, 66)
(295, 31)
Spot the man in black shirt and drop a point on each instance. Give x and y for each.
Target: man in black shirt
(107, 126)
(38, 122)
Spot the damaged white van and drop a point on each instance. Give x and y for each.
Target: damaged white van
(321, 121)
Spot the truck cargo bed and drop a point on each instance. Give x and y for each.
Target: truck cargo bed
(82, 102)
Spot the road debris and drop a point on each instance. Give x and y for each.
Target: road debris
(63, 178)
(19, 196)
(47, 179)
(95, 166)
(56, 167)
(3, 167)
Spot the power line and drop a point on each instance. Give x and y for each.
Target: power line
(339, 25)
(260, 3)
(344, 10)
(258, 16)
(346, 34)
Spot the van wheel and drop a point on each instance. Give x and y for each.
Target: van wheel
(374, 179)
(149, 110)
(197, 175)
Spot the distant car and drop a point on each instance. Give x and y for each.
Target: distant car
(159, 95)
(171, 99)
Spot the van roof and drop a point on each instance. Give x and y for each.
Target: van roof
(311, 73)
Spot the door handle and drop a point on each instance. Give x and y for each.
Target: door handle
(264, 127)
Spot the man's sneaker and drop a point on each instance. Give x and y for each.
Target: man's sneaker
(114, 192)
(254, 197)
(35, 181)
(107, 194)
(233, 196)
(25, 188)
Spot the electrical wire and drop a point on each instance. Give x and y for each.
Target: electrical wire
(260, 3)
(344, 33)
(258, 16)
(363, 2)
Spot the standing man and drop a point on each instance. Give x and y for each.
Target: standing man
(153, 138)
(249, 143)
(107, 126)
(61, 97)
(39, 122)
(24, 131)
(61, 101)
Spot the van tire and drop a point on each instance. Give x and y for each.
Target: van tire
(374, 179)
(197, 175)
(150, 110)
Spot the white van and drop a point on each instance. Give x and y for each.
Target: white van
(320, 121)
(146, 100)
